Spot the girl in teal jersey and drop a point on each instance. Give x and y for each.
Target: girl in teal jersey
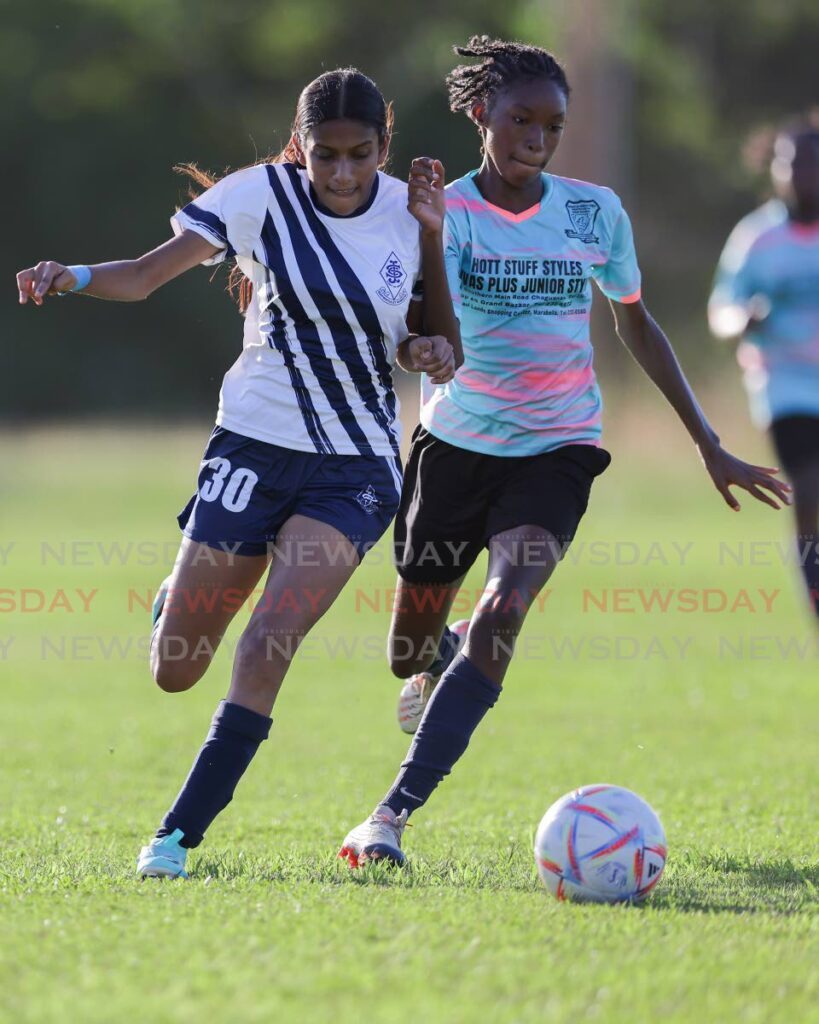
(767, 294)
(506, 453)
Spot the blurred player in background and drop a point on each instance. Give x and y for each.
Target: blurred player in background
(766, 292)
(303, 463)
(507, 452)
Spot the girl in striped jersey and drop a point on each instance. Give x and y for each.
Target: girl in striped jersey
(507, 451)
(302, 467)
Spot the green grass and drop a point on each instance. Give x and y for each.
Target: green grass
(270, 926)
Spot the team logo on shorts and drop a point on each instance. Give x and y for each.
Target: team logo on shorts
(582, 213)
(368, 500)
(394, 276)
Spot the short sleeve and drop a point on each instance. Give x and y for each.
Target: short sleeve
(619, 277)
(230, 214)
(452, 262)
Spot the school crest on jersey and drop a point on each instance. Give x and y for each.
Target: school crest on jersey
(394, 277)
(582, 213)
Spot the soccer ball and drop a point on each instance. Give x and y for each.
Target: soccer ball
(600, 844)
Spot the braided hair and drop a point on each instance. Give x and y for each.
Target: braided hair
(501, 64)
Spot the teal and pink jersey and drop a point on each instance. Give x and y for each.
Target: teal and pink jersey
(521, 286)
(773, 262)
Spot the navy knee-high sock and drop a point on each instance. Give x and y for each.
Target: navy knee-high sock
(234, 737)
(455, 710)
(445, 654)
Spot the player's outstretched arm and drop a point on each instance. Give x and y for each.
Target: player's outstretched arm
(122, 281)
(644, 338)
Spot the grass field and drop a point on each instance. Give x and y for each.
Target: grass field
(709, 713)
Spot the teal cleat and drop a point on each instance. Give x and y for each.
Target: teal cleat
(159, 601)
(163, 858)
(158, 605)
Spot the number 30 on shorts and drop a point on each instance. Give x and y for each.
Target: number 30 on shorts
(234, 487)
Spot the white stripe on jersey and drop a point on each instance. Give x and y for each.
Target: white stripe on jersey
(326, 415)
(373, 430)
(341, 371)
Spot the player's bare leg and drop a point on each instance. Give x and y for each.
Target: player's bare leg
(419, 614)
(469, 688)
(512, 585)
(207, 588)
(420, 645)
(295, 597)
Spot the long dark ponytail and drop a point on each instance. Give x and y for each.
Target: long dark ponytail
(343, 93)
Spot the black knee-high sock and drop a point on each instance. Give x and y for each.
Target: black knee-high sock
(455, 710)
(234, 737)
(808, 546)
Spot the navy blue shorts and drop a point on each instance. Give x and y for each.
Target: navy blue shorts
(248, 489)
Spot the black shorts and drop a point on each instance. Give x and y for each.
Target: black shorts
(796, 440)
(453, 501)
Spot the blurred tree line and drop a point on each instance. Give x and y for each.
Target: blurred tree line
(100, 98)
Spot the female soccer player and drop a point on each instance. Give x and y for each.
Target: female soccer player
(305, 450)
(767, 292)
(506, 453)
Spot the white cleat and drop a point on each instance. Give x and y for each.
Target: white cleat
(413, 699)
(377, 838)
(416, 691)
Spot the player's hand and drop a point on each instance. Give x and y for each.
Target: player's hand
(48, 278)
(427, 200)
(433, 356)
(727, 471)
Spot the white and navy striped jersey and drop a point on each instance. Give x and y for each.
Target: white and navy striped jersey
(330, 300)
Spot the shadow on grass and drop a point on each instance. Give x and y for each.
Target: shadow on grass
(712, 883)
(719, 882)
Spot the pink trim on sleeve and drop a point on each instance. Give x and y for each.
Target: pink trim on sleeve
(634, 297)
